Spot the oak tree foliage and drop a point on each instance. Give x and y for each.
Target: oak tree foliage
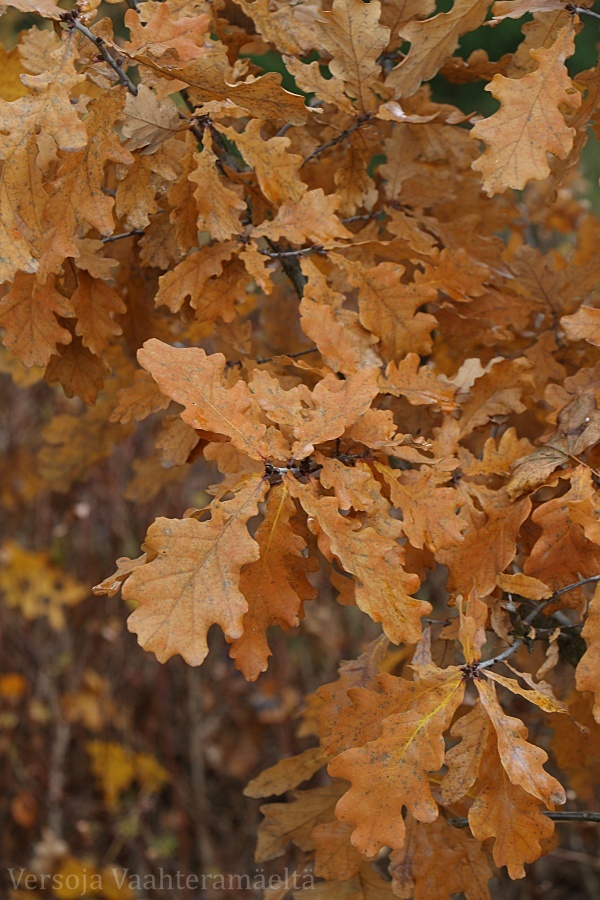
(376, 316)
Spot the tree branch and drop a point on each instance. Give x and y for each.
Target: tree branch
(362, 120)
(268, 359)
(568, 816)
(486, 664)
(74, 23)
(124, 234)
(283, 254)
(581, 10)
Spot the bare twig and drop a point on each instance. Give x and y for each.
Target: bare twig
(124, 234)
(268, 359)
(283, 254)
(73, 22)
(486, 664)
(568, 816)
(581, 10)
(362, 120)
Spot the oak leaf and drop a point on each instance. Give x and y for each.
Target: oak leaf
(438, 860)
(311, 219)
(191, 581)
(383, 587)
(589, 665)
(277, 170)
(509, 814)
(529, 123)
(584, 325)
(148, 120)
(211, 78)
(218, 206)
(390, 772)
(432, 42)
(286, 774)
(351, 33)
(275, 586)
(190, 377)
(28, 314)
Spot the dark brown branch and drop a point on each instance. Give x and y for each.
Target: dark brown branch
(283, 254)
(268, 359)
(73, 22)
(124, 234)
(568, 816)
(486, 664)
(581, 10)
(362, 120)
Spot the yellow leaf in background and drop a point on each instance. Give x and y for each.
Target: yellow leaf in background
(116, 768)
(30, 583)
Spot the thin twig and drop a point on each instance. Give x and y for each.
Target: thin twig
(486, 664)
(268, 359)
(73, 22)
(362, 120)
(282, 254)
(574, 816)
(125, 234)
(361, 218)
(581, 10)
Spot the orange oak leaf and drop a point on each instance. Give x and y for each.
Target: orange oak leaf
(191, 581)
(212, 79)
(218, 206)
(390, 772)
(438, 860)
(325, 705)
(286, 774)
(463, 760)
(285, 822)
(335, 857)
(529, 123)
(419, 384)
(190, 377)
(521, 760)
(487, 549)
(139, 399)
(28, 314)
(524, 586)
(277, 170)
(430, 512)
(368, 884)
(275, 586)
(157, 32)
(188, 278)
(504, 811)
(148, 121)
(95, 303)
(78, 371)
(563, 554)
(77, 196)
(351, 33)
(383, 587)
(311, 219)
(433, 41)
(388, 308)
(584, 325)
(588, 669)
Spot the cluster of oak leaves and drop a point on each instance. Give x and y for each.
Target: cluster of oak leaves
(400, 373)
